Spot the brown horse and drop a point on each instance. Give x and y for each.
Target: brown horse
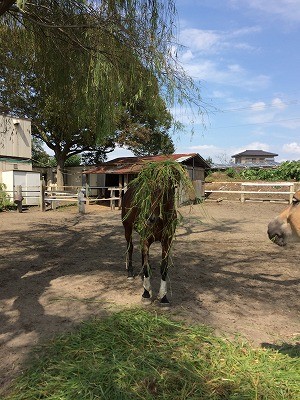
(286, 226)
(158, 224)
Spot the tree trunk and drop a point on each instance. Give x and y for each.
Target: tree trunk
(59, 173)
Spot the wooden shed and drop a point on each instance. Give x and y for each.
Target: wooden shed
(109, 179)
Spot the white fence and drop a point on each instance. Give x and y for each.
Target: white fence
(54, 197)
(247, 195)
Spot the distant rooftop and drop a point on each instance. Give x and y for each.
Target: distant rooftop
(251, 153)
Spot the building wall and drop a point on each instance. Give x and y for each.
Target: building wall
(196, 173)
(15, 144)
(15, 137)
(254, 160)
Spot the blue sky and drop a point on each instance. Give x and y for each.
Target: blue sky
(245, 57)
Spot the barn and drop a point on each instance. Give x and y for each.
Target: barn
(110, 178)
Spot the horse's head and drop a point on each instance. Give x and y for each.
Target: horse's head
(286, 226)
(161, 206)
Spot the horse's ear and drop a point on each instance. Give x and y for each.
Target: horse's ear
(296, 197)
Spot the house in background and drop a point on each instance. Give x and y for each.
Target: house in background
(253, 157)
(120, 171)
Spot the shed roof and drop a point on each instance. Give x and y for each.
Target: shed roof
(260, 153)
(132, 165)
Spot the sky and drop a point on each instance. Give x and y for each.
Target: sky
(244, 55)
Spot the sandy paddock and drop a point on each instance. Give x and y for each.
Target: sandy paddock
(59, 268)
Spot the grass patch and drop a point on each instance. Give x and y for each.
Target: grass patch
(136, 354)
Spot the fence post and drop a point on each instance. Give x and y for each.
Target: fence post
(242, 194)
(19, 198)
(42, 195)
(87, 194)
(81, 204)
(292, 190)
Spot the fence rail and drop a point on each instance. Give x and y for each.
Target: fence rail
(81, 196)
(56, 196)
(244, 185)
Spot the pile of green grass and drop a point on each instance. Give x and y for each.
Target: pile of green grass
(156, 183)
(136, 354)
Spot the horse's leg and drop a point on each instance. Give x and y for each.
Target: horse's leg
(146, 296)
(129, 267)
(162, 294)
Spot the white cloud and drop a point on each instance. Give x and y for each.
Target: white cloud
(293, 123)
(278, 103)
(258, 106)
(200, 48)
(200, 40)
(204, 147)
(206, 150)
(262, 112)
(119, 152)
(245, 31)
(286, 9)
(187, 56)
(220, 154)
(293, 147)
(232, 74)
(212, 41)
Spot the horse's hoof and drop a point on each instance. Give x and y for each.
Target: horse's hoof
(130, 278)
(164, 306)
(146, 301)
(164, 303)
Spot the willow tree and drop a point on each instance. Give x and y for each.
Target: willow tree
(68, 64)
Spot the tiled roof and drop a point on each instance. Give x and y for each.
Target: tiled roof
(252, 153)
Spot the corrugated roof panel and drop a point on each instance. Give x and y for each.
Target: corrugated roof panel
(181, 159)
(129, 165)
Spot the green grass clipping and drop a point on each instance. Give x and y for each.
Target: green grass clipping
(138, 354)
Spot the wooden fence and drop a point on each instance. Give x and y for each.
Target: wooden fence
(55, 197)
(247, 195)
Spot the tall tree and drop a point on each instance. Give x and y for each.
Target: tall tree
(71, 66)
(39, 156)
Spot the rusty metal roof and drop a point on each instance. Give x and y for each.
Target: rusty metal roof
(132, 165)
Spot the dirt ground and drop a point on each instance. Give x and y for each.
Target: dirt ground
(59, 268)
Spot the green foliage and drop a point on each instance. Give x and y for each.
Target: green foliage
(73, 161)
(94, 85)
(143, 141)
(5, 203)
(231, 172)
(165, 177)
(136, 354)
(98, 154)
(39, 156)
(289, 170)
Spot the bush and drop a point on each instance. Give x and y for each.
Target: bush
(231, 172)
(5, 203)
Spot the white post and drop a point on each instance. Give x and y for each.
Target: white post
(81, 203)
